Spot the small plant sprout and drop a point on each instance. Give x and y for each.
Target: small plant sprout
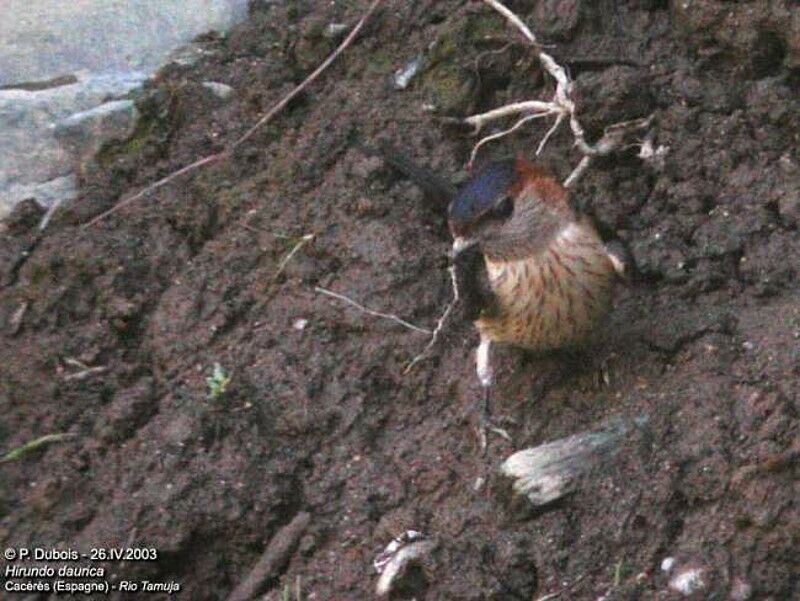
(217, 382)
(618, 568)
(298, 591)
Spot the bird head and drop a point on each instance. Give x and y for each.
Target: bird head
(510, 209)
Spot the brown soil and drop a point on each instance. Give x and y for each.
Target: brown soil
(322, 419)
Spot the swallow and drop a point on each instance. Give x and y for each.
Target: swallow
(531, 271)
(535, 273)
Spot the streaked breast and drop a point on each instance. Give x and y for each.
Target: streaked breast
(555, 298)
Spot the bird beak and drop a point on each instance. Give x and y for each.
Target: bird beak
(460, 244)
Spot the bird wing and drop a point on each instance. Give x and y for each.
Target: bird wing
(474, 288)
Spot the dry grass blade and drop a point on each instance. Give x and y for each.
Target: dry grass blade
(32, 445)
(565, 589)
(439, 324)
(285, 261)
(364, 309)
(154, 186)
(316, 73)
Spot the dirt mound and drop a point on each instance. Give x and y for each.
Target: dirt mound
(318, 415)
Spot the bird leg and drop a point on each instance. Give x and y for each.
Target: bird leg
(483, 367)
(621, 259)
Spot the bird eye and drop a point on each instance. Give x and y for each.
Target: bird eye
(503, 209)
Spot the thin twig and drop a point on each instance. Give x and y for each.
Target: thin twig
(49, 214)
(578, 171)
(155, 186)
(300, 244)
(364, 309)
(439, 324)
(131, 538)
(76, 363)
(477, 63)
(86, 373)
(228, 152)
(15, 323)
(514, 20)
(563, 590)
(549, 133)
(611, 141)
(34, 444)
(308, 80)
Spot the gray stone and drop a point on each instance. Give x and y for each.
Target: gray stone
(65, 69)
(33, 163)
(41, 39)
(221, 90)
(335, 30)
(46, 194)
(187, 56)
(84, 133)
(404, 75)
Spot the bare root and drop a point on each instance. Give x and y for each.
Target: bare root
(562, 106)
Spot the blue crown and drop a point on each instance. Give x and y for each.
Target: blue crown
(482, 189)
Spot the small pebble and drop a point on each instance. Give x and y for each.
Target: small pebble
(220, 90)
(335, 30)
(403, 76)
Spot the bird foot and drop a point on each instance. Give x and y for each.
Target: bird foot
(487, 426)
(604, 373)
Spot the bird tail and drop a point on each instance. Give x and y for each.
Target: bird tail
(435, 187)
